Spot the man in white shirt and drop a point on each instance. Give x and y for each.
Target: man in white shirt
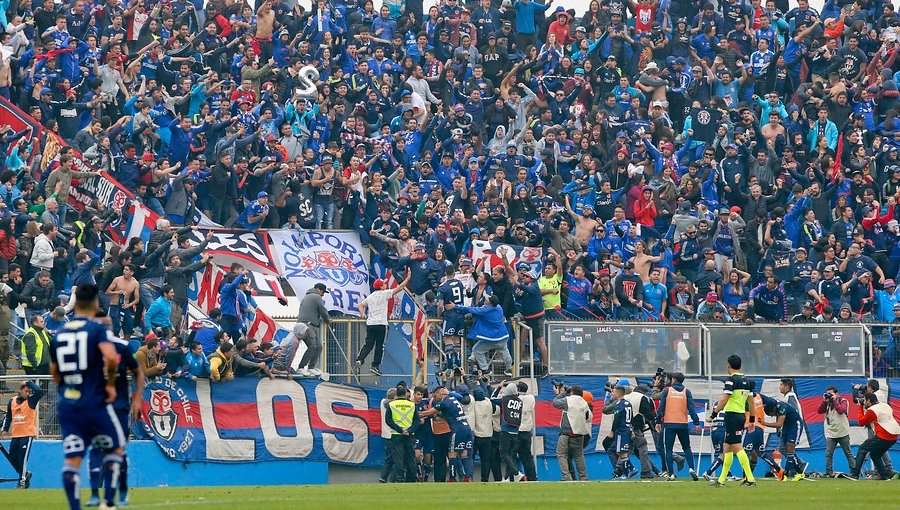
(376, 322)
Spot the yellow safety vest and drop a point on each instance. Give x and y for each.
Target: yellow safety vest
(402, 412)
(41, 339)
(80, 235)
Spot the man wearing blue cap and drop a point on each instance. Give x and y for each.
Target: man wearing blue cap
(255, 212)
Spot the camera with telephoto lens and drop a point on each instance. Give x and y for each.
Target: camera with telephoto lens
(859, 393)
(560, 384)
(827, 396)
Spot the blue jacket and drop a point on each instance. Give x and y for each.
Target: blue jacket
(158, 315)
(831, 134)
(180, 143)
(198, 366)
(228, 297)
(490, 325)
(793, 222)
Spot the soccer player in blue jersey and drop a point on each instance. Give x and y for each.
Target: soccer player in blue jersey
(462, 437)
(452, 291)
(84, 363)
(424, 445)
(124, 406)
(790, 425)
(619, 439)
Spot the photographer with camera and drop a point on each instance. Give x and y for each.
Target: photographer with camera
(574, 424)
(859, 396)
(886, 431)
(837, 427)
(676, 403)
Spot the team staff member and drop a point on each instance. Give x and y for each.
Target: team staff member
(754, 442)
(790, 427)
(21, 424)
(36, 348)
(675, 405)
(887, 430)
(510, 420)
(526, 432)
(734, 404)
(403, 419)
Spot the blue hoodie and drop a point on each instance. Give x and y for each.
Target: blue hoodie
(490, 325)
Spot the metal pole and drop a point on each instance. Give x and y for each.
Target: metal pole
(871, 349)
(705, 341)
(517, 350)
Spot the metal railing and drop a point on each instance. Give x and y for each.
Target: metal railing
(47, 417)
(343, 339)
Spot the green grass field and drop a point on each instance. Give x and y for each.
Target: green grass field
(818, 495)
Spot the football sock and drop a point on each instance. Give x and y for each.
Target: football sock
(426, 469)
(111, 466)
(726, 466)
(745, 465)
(457, 470)
(95, 470)
(70, 480)
(715, 465)
(767, 458)
(469, 466)
(123, 478)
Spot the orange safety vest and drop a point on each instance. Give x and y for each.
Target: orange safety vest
(759, 411)
(24, 419)
(676, 406)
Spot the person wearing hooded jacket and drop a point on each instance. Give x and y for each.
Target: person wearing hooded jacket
(511, 406)
(483, 428)
(489, 332)
(312, 313)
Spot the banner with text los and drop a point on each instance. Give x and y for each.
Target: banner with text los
(258, 420)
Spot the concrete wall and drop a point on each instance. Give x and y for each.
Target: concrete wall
(150, 468)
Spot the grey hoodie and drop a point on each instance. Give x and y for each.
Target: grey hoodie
(312, 309)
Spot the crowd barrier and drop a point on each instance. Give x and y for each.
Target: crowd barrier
(600, 348)
(825, 350)
(701, 349)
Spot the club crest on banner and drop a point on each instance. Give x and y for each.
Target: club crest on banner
(162, 418)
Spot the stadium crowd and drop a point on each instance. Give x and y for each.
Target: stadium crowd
(679, 160)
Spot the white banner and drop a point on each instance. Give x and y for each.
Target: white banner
(336, 259)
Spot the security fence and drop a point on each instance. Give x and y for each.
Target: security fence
(797, 350)
(791, 349)
(602, 348)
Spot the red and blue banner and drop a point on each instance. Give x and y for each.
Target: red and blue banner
(259, 420)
